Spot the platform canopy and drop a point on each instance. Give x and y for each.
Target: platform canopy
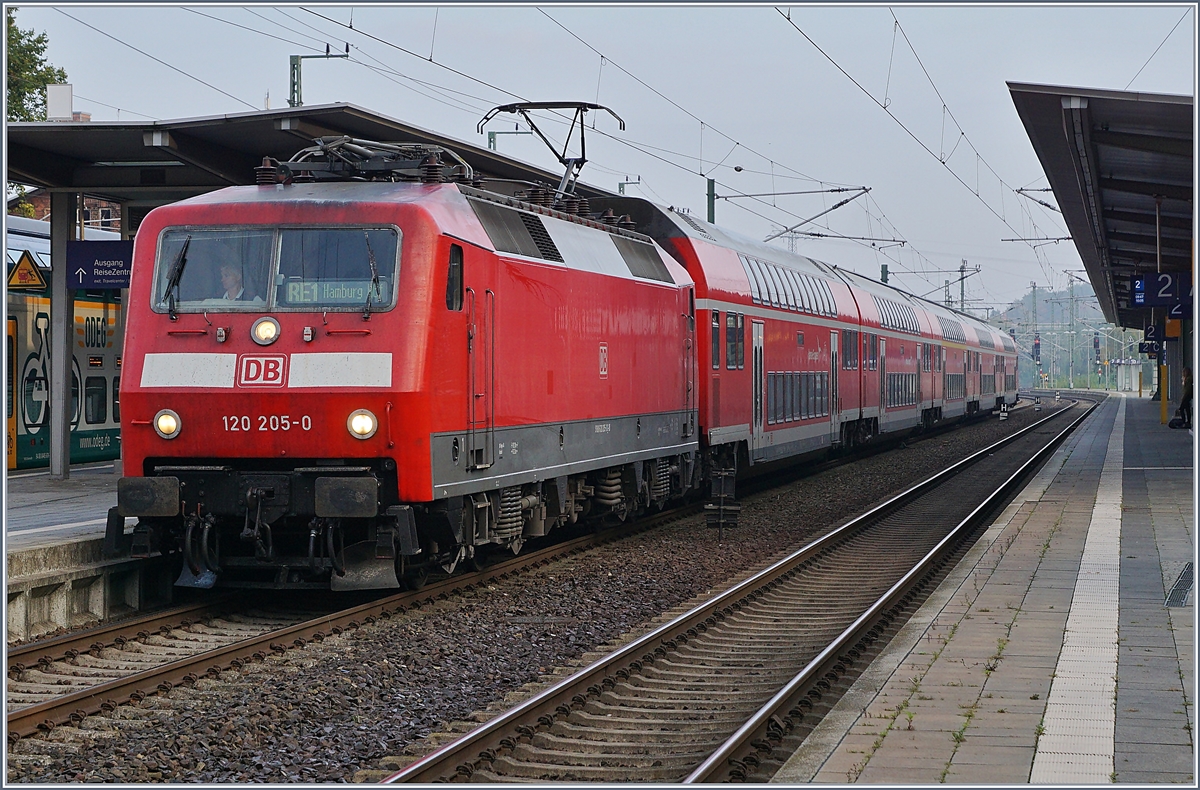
(1120, 165)
(151, 163)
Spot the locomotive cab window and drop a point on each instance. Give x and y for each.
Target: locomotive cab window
(260, 268)
(454, 279)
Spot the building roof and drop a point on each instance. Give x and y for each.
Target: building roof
(1112, 159)
(156, 162)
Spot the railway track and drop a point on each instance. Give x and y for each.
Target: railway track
(55, 681)
(708, 696)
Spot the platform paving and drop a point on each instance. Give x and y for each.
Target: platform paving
(41, 511)
(1047, 655)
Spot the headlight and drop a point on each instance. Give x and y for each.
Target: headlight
(362, 424)
(166, 424)
(265, 331)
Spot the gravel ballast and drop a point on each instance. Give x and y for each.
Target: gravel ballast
(325, 711)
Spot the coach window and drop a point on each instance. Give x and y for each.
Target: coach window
(95, 400)
(716, 339)
(116, 399)
(814, 294)
(789, 288)
(753, 275)
(741, 341)
(786, 298)
(454, 279)
(849, 349)
(781, 286)
(771, 400)
(731, 340)
(771, 294)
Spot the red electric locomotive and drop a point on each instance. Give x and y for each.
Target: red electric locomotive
(369, 366)
(346, 383)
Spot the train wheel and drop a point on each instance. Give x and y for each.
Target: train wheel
(414, 579)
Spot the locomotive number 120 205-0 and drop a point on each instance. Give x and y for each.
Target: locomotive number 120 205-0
(324, 371)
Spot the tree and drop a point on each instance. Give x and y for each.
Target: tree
(28, 72)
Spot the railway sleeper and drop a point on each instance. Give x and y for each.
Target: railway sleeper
(584, 768)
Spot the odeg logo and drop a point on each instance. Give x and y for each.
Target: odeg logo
(261, 371)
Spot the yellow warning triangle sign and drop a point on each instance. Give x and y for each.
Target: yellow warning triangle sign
(26, 275)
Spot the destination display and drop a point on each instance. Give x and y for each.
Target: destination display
(334, 292)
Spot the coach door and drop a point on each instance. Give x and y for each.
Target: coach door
(834, 406)
(689, 367)
(10, 393)
(757, 358)
(481, 369)
(883, 387)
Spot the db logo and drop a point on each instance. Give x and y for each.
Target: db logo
(261, 371)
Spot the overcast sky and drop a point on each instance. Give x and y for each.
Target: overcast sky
(703, 90)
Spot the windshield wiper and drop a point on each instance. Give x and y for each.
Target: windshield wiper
(374, 279)
(175, 275)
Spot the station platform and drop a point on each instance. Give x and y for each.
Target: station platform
(1060, 650)
(56, 573)
(40, 511)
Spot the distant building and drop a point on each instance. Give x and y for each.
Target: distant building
(97, 213)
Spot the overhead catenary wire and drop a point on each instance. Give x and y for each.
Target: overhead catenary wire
(383, 70)
(1156, 49)
(114, 107)
(158, 60)
(908, 131)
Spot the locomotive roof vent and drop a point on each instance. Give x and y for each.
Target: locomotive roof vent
(345, 158)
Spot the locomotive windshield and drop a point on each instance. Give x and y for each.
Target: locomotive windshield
(276, 269)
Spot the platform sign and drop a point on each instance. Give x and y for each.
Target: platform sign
(99, 264)
(1152, 347)
(26, 276)
(1164, 289)
(1152, 332)
(1180, 309)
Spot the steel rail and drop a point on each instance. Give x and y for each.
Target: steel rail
(56, 648)
(462, 756)
(75, 706)
(764, 729)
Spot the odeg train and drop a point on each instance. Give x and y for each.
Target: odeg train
(353, 373)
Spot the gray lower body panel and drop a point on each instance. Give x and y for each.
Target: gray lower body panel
(529, 453)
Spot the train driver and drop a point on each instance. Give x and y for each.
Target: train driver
(235, 289)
